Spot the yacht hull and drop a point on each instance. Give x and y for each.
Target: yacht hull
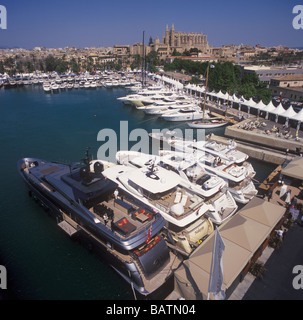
(62, 209)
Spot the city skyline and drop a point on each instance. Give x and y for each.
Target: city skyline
(96, 23)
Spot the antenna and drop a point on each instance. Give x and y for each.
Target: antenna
(86, 160)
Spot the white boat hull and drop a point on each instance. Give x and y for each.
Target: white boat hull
(188, 117)
(206, 124)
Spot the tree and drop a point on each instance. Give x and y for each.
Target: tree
(50, 63)
(2, 70)
(137, 62)
(176, 53)
(74, 65)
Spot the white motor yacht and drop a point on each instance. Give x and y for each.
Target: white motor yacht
(54, 86)
(185, 114)
(238, 177)
(204, 184)
(230, 151)
(87, 84)
(160, 107)
(47, 87)
(166, 192)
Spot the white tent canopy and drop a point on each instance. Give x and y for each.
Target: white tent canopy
(213, 93)
(278, 110)
(249, 103)
(270, 107)
(222, 95)
(289, 113)
(260, 105)
(298, 116)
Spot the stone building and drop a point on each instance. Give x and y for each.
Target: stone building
(179, 41)
(266, 73)
(290, 87)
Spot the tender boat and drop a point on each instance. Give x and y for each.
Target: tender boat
(120, 227)
(210, 187)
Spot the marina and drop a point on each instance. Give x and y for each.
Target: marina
(91, 108)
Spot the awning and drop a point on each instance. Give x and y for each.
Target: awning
(278, 110)
(294, 169)
(289, 113)
(242, 235)
(298, 116)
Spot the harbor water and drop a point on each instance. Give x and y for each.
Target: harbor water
(41, 261)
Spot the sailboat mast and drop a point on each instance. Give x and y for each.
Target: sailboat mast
(227, 105)
(205, 91)
(143, 62)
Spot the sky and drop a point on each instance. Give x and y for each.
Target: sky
(104, 23)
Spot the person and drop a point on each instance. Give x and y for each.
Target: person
(287, 198)
(280, 233)
(116, 193)
(105, 217)
(269, 194)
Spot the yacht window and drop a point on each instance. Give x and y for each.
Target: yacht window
(203, 179)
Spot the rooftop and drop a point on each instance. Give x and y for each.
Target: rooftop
(293, 77)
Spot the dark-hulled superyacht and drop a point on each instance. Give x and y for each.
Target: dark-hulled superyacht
(88, 204)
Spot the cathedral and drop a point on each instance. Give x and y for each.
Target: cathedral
(179, 41)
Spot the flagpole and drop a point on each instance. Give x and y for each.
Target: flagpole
(205, 91)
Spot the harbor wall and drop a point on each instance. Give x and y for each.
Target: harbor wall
(263, 139)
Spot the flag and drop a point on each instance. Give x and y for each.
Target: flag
(216, 272)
